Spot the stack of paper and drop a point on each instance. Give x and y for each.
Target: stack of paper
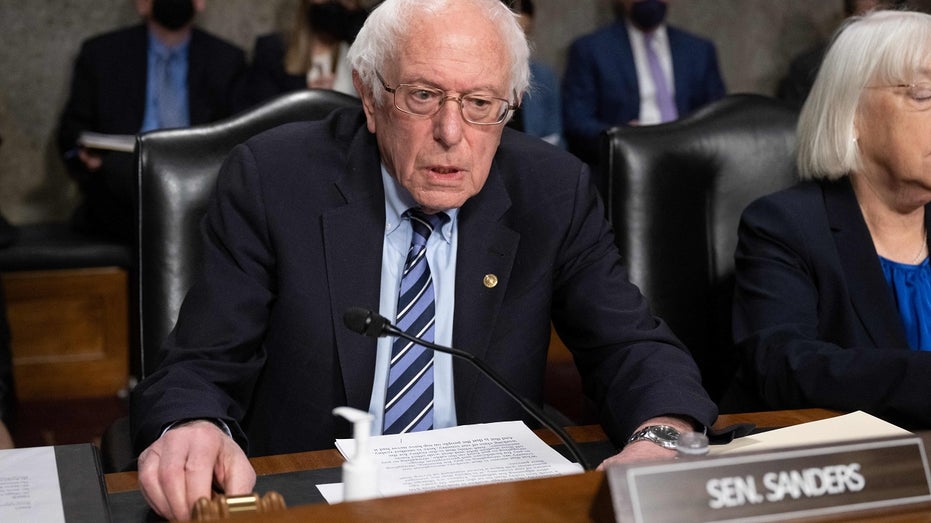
(457, 457)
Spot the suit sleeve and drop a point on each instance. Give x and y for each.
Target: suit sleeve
(631, 364)
(80, 111)
(779, 308)
(212, 358)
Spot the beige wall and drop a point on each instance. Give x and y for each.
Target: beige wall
(755, 40)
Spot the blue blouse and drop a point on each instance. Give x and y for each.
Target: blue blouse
(911, 289)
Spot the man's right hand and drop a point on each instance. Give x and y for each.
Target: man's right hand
(180, 467)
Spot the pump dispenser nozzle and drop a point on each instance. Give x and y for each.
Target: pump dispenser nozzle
(360, 478)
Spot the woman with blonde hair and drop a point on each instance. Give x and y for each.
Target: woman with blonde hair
(312, 55)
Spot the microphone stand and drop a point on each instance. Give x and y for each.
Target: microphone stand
(531, 409)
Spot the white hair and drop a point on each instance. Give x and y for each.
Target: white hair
(390, 23)
(880, 48)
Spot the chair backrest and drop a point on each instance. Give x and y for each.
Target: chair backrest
(176, 173)
(675, 195)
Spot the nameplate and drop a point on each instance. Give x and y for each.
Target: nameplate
(774, 485)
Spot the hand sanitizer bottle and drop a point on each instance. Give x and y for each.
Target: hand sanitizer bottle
(692, 445)
(360, 478)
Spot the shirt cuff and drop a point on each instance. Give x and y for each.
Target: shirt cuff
(216, 421)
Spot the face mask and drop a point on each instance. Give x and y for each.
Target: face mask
(328, 18)
(173, 14)
(647, 14)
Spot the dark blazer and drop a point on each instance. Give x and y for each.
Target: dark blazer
(266, 77)
(600, 87)
(814, 319)
(108, 96)
(294, 237)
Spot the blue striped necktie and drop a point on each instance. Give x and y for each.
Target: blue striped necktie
(409, 399)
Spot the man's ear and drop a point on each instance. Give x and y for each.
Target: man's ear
(368, 100)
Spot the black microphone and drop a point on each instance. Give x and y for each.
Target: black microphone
(370, 323)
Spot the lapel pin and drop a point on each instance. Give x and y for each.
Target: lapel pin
(490, 281)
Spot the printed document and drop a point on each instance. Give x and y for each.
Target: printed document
(457, 457)
(29, 489)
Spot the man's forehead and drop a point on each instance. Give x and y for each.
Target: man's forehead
(471, 54)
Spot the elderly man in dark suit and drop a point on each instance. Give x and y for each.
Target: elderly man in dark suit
(636, 71)
(162, 73)
(312, 218)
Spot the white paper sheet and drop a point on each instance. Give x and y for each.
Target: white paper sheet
(457, 457)
(29, 488)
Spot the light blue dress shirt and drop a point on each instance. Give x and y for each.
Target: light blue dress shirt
(441, 257)
(179, 68)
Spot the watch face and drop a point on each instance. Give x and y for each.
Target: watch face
(666, 433)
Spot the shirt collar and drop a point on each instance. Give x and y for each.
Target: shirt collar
(659, 34)
(162, 50)
(398, 200)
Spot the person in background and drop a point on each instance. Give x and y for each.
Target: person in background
(797, 83)
(833, 286)
(540, 111)
(636, 71)
(311, 55)
(422, 205)
(160, 74)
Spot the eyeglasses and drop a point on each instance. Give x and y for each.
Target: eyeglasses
(421, 100)
(918, 95)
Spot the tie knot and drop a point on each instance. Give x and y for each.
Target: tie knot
(423, 224)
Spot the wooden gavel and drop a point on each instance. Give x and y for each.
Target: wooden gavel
(220, 506)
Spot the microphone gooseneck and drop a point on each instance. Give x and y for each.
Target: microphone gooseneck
(370, 323)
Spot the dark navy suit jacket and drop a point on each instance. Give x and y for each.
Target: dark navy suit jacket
(814, 318)
(294, 237)
(107, 95)
(600, 88)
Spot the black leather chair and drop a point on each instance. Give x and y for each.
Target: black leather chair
(177, 170)
(675, 195)
(176, 173)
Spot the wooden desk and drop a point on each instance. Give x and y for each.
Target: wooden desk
(566, 498)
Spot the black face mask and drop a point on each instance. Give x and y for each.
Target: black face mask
(647, 14)
(172, 14)
(329, 18)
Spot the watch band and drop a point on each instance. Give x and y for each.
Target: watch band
(665, 436)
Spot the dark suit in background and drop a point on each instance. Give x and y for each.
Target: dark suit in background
(294, 236)
(108, 95)
(600, 88)
(267, 77)
(814, 319)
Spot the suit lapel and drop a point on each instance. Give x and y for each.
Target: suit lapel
(353, 235)
(681, 81)
(869, 292)
(135, 92)
(486, 253)
(626, 65)
(199, 109)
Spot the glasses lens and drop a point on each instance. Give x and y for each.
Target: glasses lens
(425, 101)
(477, 109)
(418, 100)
